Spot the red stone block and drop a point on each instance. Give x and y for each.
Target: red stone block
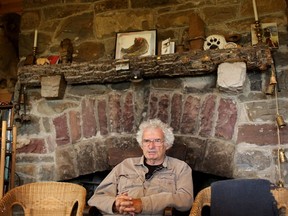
(128, 113)
(102, 117)
(176, 110)
(75, 127)
(153, 104)
(264, 134)
(163, 112)
(61, 128)
(36, 146)
(190, 115)
(88, 118)
(227, 116)
(115, 112)
(207, 115)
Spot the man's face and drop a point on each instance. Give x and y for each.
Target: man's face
(153, 146)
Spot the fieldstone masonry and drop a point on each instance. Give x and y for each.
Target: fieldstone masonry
(228, 133)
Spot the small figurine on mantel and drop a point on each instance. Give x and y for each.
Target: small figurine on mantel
(183, 45)
(66, 51)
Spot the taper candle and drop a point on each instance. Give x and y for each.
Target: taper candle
(255, 10)
(35, 37)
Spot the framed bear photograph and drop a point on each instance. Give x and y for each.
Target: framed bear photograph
(138, 43)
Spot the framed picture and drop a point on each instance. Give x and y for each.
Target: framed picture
(167, 47)
(139, 43)
(269, 34)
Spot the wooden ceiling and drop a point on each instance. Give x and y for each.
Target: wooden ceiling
(11, 6)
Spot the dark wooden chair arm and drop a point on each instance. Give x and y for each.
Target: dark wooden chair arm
(91, 211)
(168, 211)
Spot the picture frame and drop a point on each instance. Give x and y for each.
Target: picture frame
(269, 35)
(167, 47)
(134, 44)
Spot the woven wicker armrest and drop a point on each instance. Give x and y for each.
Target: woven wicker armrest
(49, 198)
(202, 199)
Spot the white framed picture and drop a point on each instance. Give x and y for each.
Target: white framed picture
(167, 46)
(138, 43)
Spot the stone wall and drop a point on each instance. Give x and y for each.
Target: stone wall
(226, 134)
(92, 25)
(231, 134)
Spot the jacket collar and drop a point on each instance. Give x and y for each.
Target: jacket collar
(140, 162)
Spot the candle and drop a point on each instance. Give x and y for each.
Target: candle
(255, 10)
(35, 38)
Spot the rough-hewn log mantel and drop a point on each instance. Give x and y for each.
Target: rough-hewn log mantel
(172, 65)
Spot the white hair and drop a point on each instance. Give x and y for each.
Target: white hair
(156, 123)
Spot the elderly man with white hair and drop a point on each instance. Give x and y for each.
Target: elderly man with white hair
(146, 185)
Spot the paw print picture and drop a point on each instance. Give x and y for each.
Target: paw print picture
(214, 42)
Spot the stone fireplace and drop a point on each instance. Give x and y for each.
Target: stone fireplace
(70, 136)
(229, 132)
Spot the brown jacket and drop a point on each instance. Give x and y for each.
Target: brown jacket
(172, 186)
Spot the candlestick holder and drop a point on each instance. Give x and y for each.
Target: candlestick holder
(258, 31)
(34, 54)
(34, 51)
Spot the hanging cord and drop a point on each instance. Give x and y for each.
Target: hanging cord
(276, 97)
(273, 81)
(278, 138)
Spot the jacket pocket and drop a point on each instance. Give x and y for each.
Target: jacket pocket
(166, 182)
(129, 182)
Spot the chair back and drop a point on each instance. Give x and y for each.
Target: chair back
(45, 199)
(203, 199)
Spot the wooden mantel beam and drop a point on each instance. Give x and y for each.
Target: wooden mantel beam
(173, 65)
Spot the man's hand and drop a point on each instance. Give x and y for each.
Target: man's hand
(137, 204)
(125, 204)
(122, 202)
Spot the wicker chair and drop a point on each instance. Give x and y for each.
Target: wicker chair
(45, 199)
(203, 199)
